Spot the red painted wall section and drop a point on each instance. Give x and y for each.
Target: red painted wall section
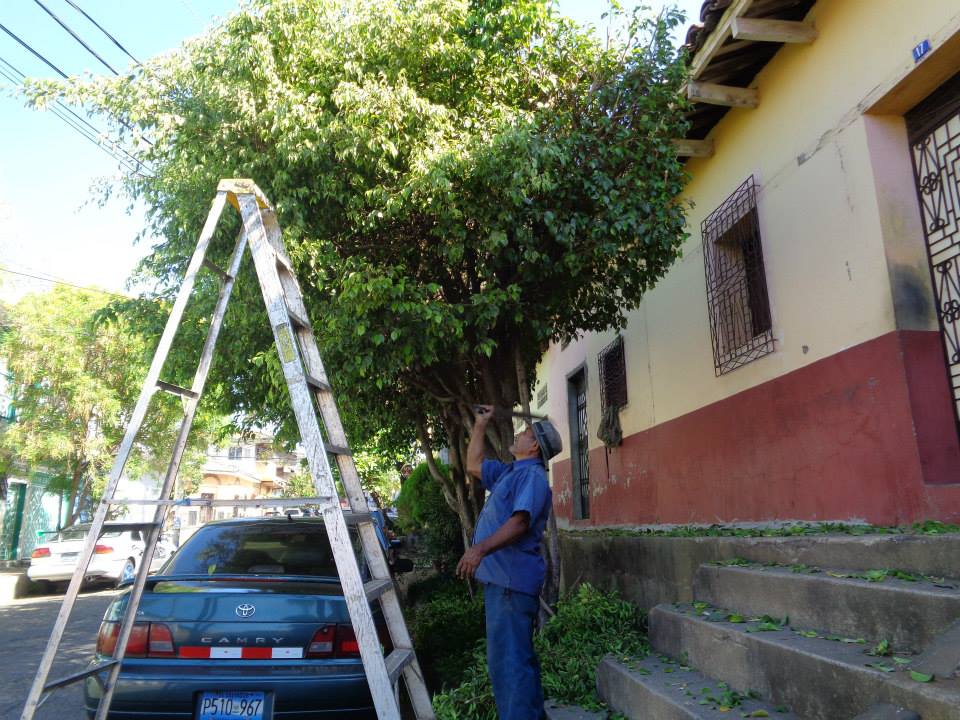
(836, 440)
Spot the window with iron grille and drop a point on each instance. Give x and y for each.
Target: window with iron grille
(613, 375)
(737, 300)
(542, 397)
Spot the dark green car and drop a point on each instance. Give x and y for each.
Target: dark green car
(247, 620)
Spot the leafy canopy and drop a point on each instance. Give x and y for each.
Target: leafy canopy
(459, 182)
(76, 375)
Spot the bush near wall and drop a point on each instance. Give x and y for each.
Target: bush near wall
(588, 624)
(423, 511)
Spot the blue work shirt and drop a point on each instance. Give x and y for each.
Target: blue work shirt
(519, 486)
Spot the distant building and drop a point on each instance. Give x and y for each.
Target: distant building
(247, 469)
(801, 361)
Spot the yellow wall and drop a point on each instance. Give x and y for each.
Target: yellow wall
(837, 208)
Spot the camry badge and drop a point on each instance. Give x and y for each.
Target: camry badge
(246, 610)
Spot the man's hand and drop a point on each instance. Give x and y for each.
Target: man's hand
(467, 567)
(483, 414)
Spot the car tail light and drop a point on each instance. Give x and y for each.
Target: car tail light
(40, 552)
(321, 646)
(102, 550)
(146, 640)
(161, 641)
(347, 645)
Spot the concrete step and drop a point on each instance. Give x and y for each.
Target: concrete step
(818, 679)
(558, 711)
(907, 614)
(657, 688)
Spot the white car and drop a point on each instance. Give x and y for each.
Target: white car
(115, 558)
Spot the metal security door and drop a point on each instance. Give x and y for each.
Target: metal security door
(579, 443)
(934, 127)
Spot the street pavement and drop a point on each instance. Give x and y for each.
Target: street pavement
(25, 626)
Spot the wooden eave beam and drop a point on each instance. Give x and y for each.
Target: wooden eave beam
(725, 95)
(779, 31)
(718, 37)
(693, 148)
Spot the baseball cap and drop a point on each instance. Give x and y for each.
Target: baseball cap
(547, 438)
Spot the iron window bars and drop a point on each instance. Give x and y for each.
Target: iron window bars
(739, 307)
(613, 375)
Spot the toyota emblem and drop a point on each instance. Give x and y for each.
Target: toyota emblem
(246, 610)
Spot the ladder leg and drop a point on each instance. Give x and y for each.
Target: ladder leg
(169, 482)
(136, 420)
(264, 257)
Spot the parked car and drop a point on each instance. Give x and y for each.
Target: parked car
(115, 559)
(249, 612)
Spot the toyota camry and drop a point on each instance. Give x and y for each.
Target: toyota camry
(247, 620)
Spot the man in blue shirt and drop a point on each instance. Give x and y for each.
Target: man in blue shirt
(506, 558)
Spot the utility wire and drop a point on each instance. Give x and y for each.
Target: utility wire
(76, 37)
(64, 282)
(33, 52)
(100, 28)
(85, 128)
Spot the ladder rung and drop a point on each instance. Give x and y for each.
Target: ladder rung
(338, 450)
(397, 661)
(355, 518)
(376, 588)
(124, 526)
(283, 262)
(224, 275)
(316, 383)
(175, 389)
(70, 679)
(297, 319)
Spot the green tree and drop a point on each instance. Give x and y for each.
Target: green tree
(460, 182)
(76, 375)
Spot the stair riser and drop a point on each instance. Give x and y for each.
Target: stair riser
(777, 665)
(909, 617)
(636, 701)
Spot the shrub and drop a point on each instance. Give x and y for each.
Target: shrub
(446, 627)
(423, 510)
(588, 625)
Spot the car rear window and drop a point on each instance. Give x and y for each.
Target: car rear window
(261, 549)
(79, 532)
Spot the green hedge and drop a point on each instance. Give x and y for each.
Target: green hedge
(588, 625)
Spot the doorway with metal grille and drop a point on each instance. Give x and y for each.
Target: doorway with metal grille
(579, 442)
(934, 133)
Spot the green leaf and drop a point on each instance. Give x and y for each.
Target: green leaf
(921, 677)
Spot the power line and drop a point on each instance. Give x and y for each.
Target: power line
(100, 28)
(64, 282)
(81, 125)
(76, 37)
(33, 52)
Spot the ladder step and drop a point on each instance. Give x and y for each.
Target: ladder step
(297, 319)
(397, 661)
(317, 384)
(355, 518)
(176, 389)
(224, 275)
(124, 526)
(283, 262)
(338, 450)
(376, 588)
(70, 679)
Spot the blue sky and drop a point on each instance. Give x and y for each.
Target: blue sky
(50, 224)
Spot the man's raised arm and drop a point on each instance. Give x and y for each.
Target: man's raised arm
(475, 448)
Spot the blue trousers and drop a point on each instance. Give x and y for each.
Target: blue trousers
(514, 668)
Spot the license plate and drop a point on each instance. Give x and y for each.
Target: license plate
(232, 706)
(70, 556)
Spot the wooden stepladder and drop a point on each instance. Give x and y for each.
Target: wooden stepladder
(312, 401)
